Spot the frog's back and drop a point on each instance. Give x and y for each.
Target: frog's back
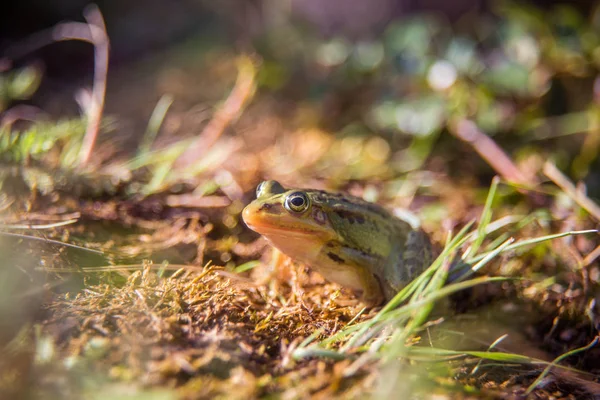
(398, 251)
(361, 224)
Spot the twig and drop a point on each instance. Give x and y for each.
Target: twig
(569, 188)
(192, 200)
(29, 237)
(488, 150)
(100, 41)
(131, 267)
(591, 257)
(37, 216)
(21, 112)
(241, 94)
(94, 32)
(39, 226)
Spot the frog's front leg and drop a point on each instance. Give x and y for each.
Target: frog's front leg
(372, 294)
(417, 255)
(370, 291)
(412, 257)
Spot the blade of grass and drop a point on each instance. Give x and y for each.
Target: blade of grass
(520, 223)
(373, 332)
(29, 237)
(343, 333)
(486, 216)
(155, 122)
(494, 356)
(159, 177)
(488, 257)
(397, 343)
(401, 316)
(558, 359)
(499, 356)
(132, 267)
(313, 351)
(153, 157)
(409, 289)
(490, 347)
(451, 246)
(310, 338)
(44, 226)
(552, 172)
(536, 240)
(444, 292)
(246, 266)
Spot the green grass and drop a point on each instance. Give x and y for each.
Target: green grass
(387, 336)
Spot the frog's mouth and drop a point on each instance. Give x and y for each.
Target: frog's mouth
(276, 225)
(282, 232)
(265, 228)
(294, 239)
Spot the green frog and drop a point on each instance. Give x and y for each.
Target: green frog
(349, 241)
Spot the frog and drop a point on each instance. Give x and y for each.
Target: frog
(349, 241)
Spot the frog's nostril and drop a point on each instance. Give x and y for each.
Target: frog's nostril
(265, 207)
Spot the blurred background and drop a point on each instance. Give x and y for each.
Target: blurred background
(402, 70)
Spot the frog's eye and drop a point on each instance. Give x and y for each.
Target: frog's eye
(297, 202)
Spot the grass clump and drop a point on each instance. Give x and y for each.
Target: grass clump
(396, 331)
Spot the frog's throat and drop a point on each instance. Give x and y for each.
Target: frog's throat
(298, 245)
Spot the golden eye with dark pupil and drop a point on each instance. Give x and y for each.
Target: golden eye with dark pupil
(297, 202)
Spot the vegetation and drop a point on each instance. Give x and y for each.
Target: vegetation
(127, 271)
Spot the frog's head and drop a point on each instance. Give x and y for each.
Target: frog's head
(282, 214)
